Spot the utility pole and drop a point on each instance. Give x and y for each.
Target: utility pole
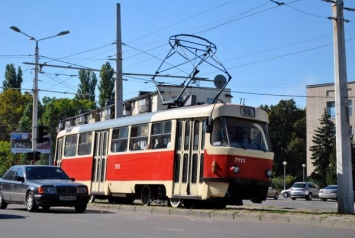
(343, 147)
(35, 83)
(118, 82)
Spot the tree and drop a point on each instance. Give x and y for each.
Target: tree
(7, 159)
(323, 151)
(12, 80)
(87, 85)
(106, 85)
(56, 109)
(12, 105)
(287, 129)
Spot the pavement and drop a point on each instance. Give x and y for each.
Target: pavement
(245, 213)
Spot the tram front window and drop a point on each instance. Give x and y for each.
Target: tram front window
(239, 133)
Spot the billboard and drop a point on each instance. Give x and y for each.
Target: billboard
(21, 143)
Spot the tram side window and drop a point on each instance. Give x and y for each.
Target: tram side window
(119, 139)
(59, 150)
(139, 137)
(204, 127)
(187, 135)
(70, 145)
(219, 135)
(85, 142)
(161, 135)
(196, 135)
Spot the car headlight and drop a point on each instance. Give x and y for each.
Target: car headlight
(82, 189)
(46, 190)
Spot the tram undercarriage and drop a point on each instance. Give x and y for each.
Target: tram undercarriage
(156, 195)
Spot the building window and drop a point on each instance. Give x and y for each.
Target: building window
(351, 131)
(331, 108)
(210, 100)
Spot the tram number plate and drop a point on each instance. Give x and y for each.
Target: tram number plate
(247, 112)
(67, 198)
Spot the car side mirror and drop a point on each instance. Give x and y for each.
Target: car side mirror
(21, 179)
(72, 179)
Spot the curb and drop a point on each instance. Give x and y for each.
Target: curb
(299, 217)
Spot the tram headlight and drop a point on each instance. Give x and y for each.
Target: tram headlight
(235, 169)
(269, 172)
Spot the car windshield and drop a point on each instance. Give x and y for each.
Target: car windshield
(299, 185)
(39, 172)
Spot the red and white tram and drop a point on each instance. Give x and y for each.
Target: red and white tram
(217, 154)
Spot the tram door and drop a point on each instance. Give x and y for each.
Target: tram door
(99, 165)
(188, 157)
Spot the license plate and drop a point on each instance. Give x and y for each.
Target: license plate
(67, 198)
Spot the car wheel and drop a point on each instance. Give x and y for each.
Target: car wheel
(285, 195)
(276, 196)
(323, 199)
(309, 197)
(31, 203)
(3, 204)
(80, 208)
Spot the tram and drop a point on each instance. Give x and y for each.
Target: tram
(217, 154)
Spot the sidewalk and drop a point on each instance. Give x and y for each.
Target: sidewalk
(235, 213)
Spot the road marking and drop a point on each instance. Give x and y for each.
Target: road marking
(168, 229)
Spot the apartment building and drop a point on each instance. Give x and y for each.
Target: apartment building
(320, 97)
(149, 102)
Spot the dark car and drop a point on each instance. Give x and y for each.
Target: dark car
(41, 186)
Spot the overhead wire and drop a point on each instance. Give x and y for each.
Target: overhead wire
(222, 24)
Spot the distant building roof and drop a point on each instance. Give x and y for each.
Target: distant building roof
(324, 85)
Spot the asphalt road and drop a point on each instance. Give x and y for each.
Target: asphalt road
(15, 221)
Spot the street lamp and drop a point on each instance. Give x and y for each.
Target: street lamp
(284, 163)
(35, 83)
(303, 166)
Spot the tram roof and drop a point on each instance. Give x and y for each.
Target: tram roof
(175, 113)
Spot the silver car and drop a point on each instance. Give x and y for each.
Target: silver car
(306, 190)
(329, 192)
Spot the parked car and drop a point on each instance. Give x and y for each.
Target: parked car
(273, 193)
(306, 190)
(286, 193)
(329, 192)
(41, 186)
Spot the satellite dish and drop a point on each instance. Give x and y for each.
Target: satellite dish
(219, 81)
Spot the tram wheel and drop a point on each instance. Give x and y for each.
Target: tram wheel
(92, 198)
(175, 202)
(146, 195)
